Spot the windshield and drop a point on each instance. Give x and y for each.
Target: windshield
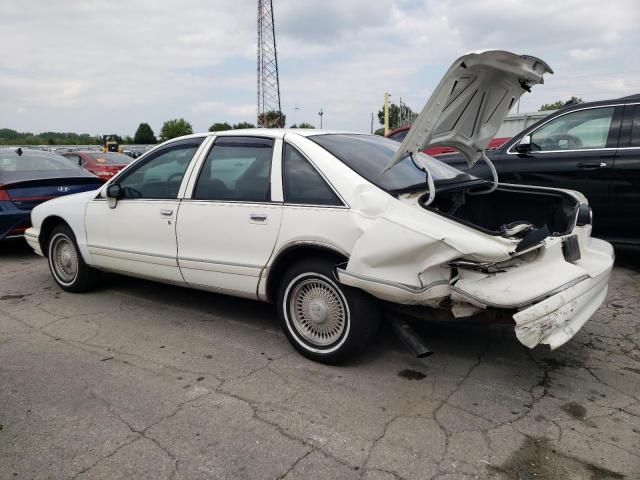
(368, 155)
(111, 158)
(29, 162)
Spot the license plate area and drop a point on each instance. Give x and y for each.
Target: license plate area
(571, 249)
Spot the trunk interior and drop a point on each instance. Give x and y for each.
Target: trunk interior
(498, 212)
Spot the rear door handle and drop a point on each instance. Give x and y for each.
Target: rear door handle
(592, 165)
(258, 218)
(166, 212)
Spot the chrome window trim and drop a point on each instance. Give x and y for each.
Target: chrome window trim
(312, 205)
(154, 200)
(511, 152)
(231, 202)
(315, 167)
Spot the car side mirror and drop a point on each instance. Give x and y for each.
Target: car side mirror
(113, 193)
(524, 145)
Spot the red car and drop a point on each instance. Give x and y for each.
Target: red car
(103, 165)
(399, 133)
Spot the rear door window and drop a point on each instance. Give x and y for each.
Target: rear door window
(236, 169)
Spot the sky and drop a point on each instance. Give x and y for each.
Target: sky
(104, 66)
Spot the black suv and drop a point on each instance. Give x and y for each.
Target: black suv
(593, 148)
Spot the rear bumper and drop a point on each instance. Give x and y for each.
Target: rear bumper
(555, 320)
(13, 223)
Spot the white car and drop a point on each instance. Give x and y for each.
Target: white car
(331, 225)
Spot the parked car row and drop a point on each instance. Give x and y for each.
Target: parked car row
(329, 225)
(102, 164)
(30, 177)
(398, 135)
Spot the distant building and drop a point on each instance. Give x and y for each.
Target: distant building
(516, 122)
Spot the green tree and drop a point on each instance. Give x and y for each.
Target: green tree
(399, 115)
(380, 132)
(240, 125)
(128, 140)
(559, 104)
(272, 119)
(219, 127)
(176, 127)
(305, 125)
(144, 135)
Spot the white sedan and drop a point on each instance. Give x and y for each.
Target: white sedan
(331, 225)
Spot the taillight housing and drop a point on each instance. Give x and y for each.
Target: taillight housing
(4, 196)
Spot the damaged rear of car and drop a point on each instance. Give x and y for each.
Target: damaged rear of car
(451, 246)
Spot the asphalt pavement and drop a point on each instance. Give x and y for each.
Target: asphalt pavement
(142, 380)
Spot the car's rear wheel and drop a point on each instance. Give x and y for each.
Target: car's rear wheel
(323, 320)
(66, 264)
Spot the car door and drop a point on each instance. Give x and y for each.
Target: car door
(625, 184)
(576, 151)
(138, 237)
(229, 224)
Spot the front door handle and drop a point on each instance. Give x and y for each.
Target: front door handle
(592, 165)
(166, 212)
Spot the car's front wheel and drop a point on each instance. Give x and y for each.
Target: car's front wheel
(67, 266)
(323, 320)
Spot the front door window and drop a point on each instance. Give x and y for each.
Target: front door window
(159, 176)
(581, 130)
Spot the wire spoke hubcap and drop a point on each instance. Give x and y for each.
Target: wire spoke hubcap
(318, 311)
(64, 259)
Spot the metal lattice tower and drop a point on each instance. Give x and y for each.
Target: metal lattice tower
(268, 78)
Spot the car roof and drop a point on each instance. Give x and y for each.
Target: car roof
(599, 103)
(30, 151)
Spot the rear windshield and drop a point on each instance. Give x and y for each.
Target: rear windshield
(11, 162)
(368, 155)
(111, 158)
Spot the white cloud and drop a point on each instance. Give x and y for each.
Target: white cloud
(108, 65)
(586, 54)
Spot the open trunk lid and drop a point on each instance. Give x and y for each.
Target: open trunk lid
(469, 104)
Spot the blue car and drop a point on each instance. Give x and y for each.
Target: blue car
(30, 177)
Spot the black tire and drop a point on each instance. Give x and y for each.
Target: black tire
(350, 315)
(62, 243)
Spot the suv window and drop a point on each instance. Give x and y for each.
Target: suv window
(302, 183)
(584, 129)
(159, 176)
(237, 169)
(635, 127)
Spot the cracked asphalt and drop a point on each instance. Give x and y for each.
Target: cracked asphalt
(141, 380)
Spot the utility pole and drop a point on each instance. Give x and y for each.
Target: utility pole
(268, 76)
(371, 122)
(321, 113)
(386, 113)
